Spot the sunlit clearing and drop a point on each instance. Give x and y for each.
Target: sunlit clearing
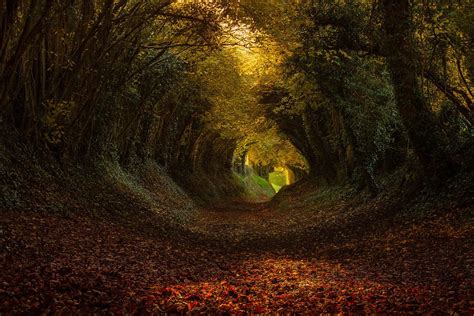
(265, 167)
(280, 177)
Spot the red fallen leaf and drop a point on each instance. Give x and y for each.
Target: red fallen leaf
(259, 309)
(191, 305)
(193, 297)
(168, 291)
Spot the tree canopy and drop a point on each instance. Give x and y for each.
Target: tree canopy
(344, 89)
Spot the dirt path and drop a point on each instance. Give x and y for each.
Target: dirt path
(71, 265)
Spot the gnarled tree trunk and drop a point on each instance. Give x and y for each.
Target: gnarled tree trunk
(425, 133)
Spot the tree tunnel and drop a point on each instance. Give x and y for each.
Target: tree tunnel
(213, 166)
(228, 94)
(236, 157)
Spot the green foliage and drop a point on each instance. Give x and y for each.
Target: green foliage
(337, 67)
(256, 187)
(355, 89)
(463, 17)
(182, 82)
(277, 179)
(230, 79)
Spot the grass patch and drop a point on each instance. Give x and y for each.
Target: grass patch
(277, 179)
(256, 186)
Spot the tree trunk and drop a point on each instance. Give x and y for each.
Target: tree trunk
(425, 133)
(325, 159)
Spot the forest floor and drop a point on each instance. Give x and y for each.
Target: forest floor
(246, 258)
(105, 239)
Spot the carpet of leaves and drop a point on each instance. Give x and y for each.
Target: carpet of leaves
(75, 264)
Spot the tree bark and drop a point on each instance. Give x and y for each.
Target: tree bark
(425, 133)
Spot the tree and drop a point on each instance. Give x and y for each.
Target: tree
(428, 139)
